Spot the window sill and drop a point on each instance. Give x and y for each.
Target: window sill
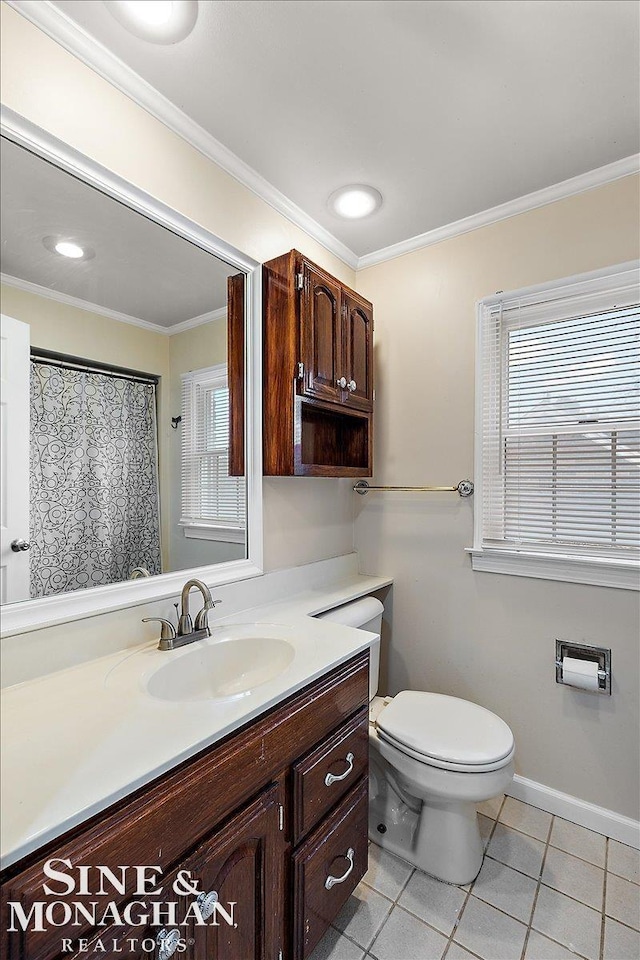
(195, 531)
(591, 570)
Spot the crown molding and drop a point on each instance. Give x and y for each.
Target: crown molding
(28, 287)
(539, 198)
(219, 314)
(60, 27)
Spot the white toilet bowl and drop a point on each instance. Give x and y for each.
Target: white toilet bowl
(432, 759)
(423, 807)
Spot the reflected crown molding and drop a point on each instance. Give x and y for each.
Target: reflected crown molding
(28, 287)
(102, 61)
(28, 615)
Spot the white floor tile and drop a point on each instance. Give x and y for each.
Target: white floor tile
(624, 860)
(456, 952)
(541, 948)
(386, 874)
(491, 808)
(576, 878)
(363, 914)
(623, 900)
(506, 889)
(334, 946)
(620, 943)
(527, 819)
(404, 936)
(437, 903)
(579, 841)
(517, 850)
(489, 933)
(569, 922)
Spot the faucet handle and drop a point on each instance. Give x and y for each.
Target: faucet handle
(168, 631)
(202, 617)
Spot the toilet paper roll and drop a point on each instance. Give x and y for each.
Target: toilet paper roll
(580, 673)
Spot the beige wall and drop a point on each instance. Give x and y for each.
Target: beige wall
(50, 87)
(483, 636)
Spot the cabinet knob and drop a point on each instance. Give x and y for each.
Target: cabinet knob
(331, 881)
(18, 546)
(168, 942)
(352, 385)
(207, 903)
(341, 382)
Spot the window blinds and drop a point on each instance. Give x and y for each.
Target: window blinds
(209, 495)
(560, 428)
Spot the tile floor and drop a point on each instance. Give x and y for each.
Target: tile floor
(547, 890)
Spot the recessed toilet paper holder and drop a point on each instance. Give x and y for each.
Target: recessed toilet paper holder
(582, 651)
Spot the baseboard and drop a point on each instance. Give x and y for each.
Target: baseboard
(588, 815)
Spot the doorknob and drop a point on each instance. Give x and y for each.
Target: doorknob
(341, 382)
(19, 545)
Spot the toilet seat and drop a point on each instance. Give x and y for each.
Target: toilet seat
(445, 732)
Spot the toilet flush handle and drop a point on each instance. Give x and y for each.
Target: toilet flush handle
(332, 778)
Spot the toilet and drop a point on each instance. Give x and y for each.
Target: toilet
(432, 758)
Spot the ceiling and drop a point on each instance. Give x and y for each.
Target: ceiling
(140, 270)
(448, 107)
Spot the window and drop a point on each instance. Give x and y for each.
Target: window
(558, 432)
(213, 503)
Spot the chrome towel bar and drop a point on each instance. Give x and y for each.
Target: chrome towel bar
(464, 488)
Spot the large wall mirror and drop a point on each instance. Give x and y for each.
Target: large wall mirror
(125, 347)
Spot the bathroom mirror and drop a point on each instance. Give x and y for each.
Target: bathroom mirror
(125, 345)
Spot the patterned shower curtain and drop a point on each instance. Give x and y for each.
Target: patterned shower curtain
(93, 477)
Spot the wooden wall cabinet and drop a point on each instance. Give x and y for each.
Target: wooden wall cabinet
(273, 819)
(318, 373)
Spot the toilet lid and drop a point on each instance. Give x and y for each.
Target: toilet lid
(446, 729)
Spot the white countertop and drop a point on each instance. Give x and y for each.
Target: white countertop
(77, 740)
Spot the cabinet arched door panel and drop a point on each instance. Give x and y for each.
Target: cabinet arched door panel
(320, 333)
(358, 340)
(240, 872)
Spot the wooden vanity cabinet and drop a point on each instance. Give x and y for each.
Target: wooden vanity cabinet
(262, 820)
(318, 372)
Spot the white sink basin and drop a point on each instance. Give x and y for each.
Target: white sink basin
(230, 664)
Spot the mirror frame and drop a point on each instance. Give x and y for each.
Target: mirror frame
(26, 615)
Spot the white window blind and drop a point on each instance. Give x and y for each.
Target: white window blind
(559, 407)
(210, 497)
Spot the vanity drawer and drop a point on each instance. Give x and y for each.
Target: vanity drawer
(323, 776)
(328, 867)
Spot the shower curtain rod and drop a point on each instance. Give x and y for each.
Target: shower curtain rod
(464, 488)
(67, 362)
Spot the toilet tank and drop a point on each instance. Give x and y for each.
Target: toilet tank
(366, 614)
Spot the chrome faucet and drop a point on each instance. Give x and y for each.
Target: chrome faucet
(187, 632)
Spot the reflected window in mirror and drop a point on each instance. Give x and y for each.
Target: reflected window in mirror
(106, 314)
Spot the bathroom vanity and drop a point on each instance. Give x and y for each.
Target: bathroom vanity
(272, 820)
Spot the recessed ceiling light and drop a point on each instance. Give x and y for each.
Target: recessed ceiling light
(160, 21)
(355, 201)
(67, 247)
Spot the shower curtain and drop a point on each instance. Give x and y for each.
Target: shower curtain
(93, 478)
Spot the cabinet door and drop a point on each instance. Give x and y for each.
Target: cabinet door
(243, 866)
(357, 317)
(320, 335)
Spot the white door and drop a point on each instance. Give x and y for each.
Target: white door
(14, 460)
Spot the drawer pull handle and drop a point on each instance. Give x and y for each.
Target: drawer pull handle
(331, 881)
(168, 942)
(331, 778)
